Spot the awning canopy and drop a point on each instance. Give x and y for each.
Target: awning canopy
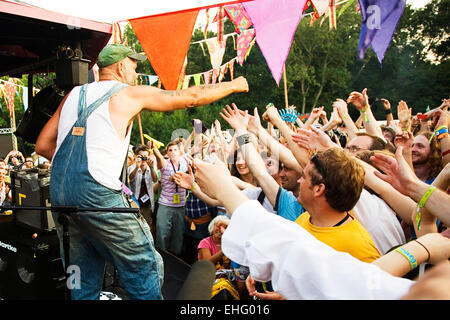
(31, 36)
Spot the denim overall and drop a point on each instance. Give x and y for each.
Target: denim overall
(122, 239)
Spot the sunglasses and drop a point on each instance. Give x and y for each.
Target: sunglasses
(316, 162)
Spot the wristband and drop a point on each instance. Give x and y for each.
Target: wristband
(387, 111)
(344, 116)
(243, 139)
(412, 261)
(193, 187)
(364, 112)
(446, 153)
(422, 203)
(441, 132)
(428, 259)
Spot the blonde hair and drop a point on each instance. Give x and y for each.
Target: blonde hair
(215, 221)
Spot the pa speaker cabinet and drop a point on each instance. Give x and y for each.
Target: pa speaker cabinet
(30, 267)
(31, 188)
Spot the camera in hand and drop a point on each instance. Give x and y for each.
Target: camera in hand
(144, 158)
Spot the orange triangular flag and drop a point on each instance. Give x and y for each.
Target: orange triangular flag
(165, 40)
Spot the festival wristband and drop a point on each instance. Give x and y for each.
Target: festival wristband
(364, 112)
(446, 153)
(439, 133)
(387, 111)
(412, 261)
(422, 203)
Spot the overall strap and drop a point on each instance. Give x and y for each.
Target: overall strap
(85, 111)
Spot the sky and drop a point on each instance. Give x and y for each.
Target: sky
(107, 11)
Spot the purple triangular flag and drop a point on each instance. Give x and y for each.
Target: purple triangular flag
(380, 19)
(275, 22)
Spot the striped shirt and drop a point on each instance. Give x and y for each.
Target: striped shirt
(169, 188)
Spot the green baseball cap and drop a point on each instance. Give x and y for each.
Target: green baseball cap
(113, 53)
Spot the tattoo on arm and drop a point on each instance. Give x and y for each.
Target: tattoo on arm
(175, 93)
(209, 86)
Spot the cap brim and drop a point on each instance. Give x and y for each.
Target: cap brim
(138, 56)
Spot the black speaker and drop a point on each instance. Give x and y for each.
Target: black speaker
(30, 267)
(31, 188)
(42, 108)
(72, 72)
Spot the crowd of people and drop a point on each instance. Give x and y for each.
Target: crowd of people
(332, 177)
(16, 161)
(329, 208)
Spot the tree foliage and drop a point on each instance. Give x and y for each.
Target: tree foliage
(322, 65)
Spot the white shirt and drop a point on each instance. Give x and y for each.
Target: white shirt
(380, 221)
(136, 183)
(106, 151)
(299, 265)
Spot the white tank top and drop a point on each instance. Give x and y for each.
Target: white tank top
(106, 151)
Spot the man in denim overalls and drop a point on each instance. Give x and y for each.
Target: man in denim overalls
(123, 239)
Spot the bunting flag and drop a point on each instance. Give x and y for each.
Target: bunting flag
(196, 79)
(216, 51)
(332, 13)
(320, 6)
(380, 19)
(186, 82)
(220, 26)
(182, 77)
(237, 15)
(165, 40)
(116, 34)
(215, 74)
(205, 31)
(10, 92)
(274, 36)
(207, 76)
(243, 44)
(231, 68)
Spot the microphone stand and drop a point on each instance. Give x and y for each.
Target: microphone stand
(63, 219)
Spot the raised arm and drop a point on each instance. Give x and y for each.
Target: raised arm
(441, 122)
(239, 122)
(342, 110)
(284, 154)
(401, 177)
(301, 154)
(388, 112)
(432, 248)
(361, 101)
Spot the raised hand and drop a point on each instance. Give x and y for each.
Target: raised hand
(184, 180)
(404, 139)
(313, 139)
(236, 118)
(386, 104)
(397, 172)
(254, 122)
(271, 113)
(404, 115)
(359, 99)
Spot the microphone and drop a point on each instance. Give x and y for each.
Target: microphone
(199, 282)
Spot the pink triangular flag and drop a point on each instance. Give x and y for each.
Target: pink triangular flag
(275, 22)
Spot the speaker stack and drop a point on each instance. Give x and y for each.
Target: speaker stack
(30, 265)
(30, 262)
